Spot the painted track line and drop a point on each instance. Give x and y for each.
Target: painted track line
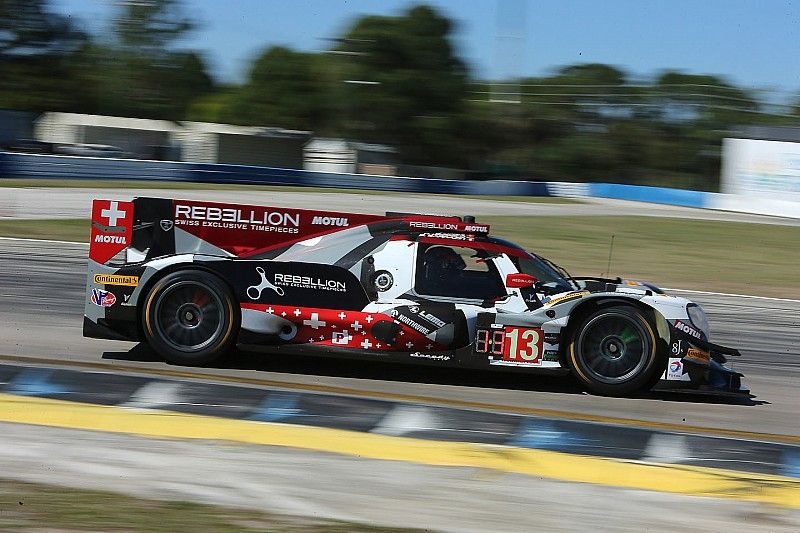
(48, 241)
(687, 480)
(750, 296)
(408, 398)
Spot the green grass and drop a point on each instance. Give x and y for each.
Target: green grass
(176, 185)
(38, 507)
(74, 229)
(734, 257)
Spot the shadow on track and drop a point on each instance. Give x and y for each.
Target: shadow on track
(406, 373)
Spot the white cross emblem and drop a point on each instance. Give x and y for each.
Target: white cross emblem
(315, 322)
(355, 325)
(113, 213)
(402, 332)
(429, 346)
(283, 313)
(269, 310)
(409, 344)
(369, 319)
(297, 312)
(322, 337)
(366, 344)
(342, 316)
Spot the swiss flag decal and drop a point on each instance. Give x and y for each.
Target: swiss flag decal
(112, 229)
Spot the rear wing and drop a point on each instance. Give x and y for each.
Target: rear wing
(146, 228)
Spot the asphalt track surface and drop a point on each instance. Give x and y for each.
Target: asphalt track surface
(378, 492)
(42, 290)
(26, 203)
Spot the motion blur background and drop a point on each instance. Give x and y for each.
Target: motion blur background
(629, 92)
(578, 106)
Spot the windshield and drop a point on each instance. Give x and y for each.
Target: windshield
(541, 270)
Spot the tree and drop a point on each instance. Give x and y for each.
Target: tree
(28, 29)
(404, 85)
(36, 46)
(151, 26)
(140, 74)
(284, 88)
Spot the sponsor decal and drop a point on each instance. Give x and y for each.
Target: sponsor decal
(434, 357)
(116, 279)
(551, 355)
(166, 225)
(341, 338)
(477, 229)
(675, 371)
(102, 298)
(111, 230)
(698, 356)
(689, 330)
(403, 319)
(254, 291)
(308, 282)
(449, 226)
(329, 221)
(451, 236)
(566, 298)
(258, 219)
(432, 319)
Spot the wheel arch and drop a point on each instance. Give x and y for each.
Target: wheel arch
(170, 269)
(588, 306)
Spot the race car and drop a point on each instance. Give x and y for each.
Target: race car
(195, 279)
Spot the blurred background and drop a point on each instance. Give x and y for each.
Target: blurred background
(335, 104)
(578, 91)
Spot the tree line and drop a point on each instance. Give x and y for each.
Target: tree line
(395, 80)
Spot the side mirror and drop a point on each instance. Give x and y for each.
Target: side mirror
(520, 281)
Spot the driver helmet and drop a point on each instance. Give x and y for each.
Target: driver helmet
(442, 260)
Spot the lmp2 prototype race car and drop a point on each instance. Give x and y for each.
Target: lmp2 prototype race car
(194, 279)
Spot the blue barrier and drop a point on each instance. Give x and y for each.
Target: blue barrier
(36, 166)
(656, 195)
(30, 166)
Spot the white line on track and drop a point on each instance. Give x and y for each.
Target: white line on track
(43, 240)
(734, 295)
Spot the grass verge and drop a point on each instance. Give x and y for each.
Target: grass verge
(38, 507)
(177, 185)
(733, 257)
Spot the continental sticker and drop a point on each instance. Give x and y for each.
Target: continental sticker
(116, 279)
(700, 356)
(566, 298)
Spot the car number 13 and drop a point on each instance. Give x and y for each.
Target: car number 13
(523, 345)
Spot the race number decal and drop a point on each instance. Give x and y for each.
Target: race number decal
(523, 345)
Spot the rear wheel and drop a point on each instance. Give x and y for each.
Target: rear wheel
(190, 318)
(615, 352)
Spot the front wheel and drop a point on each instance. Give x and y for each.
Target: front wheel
(614, 352)
(190, 318)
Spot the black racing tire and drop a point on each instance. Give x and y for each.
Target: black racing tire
(615, 352)
(190, 317)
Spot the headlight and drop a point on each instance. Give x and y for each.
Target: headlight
(699, 319)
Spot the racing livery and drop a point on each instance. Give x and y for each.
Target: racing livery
(194, 279)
